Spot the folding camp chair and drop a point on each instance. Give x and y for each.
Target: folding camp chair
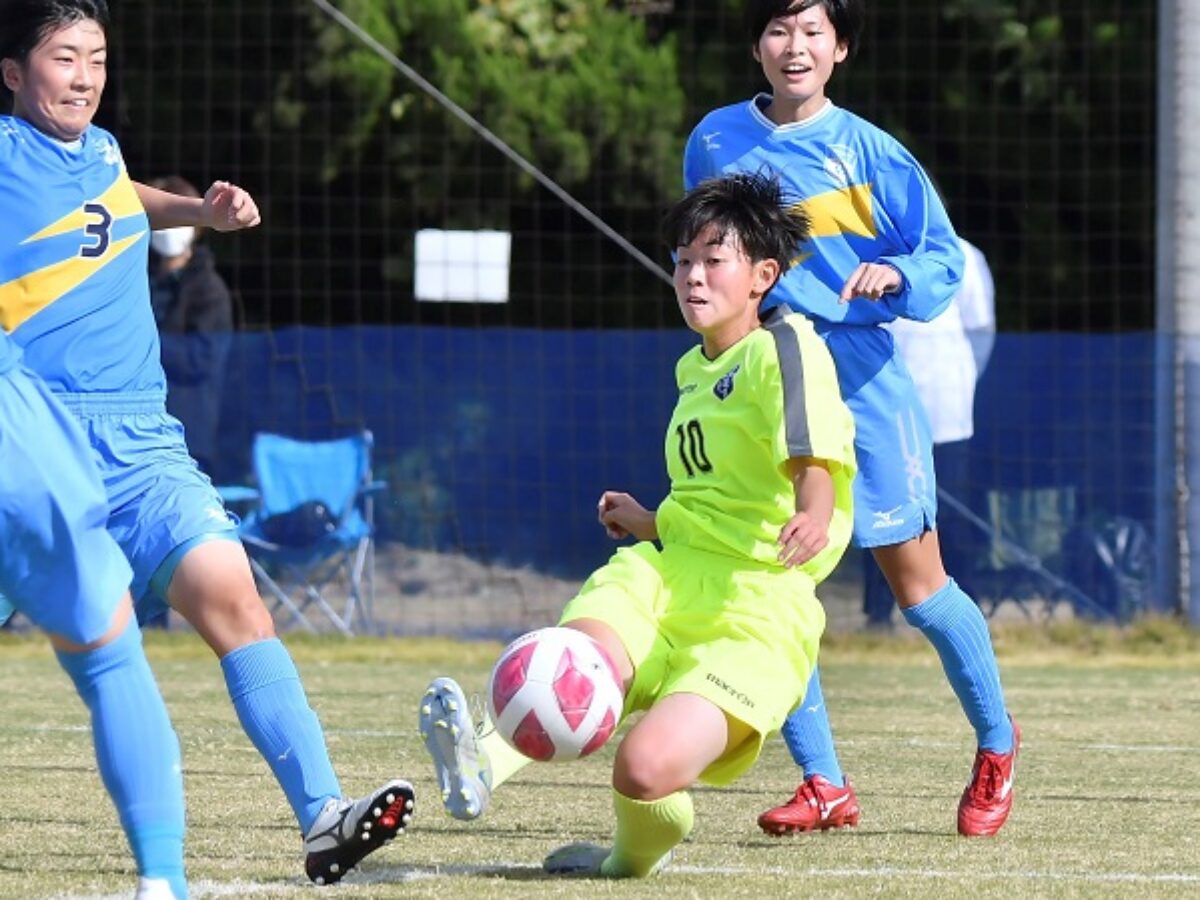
(312, 529)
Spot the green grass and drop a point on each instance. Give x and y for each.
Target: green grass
(1108, 793)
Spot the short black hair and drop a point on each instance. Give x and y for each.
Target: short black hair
(26, 23)
(751, 206)
(847, 16)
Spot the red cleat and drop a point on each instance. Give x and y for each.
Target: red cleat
(988, 799)
(817, 804)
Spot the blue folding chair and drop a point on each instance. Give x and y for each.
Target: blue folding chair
(312, 527)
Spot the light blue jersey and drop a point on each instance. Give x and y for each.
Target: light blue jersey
(868, 200)
(74, 241)
(75, 296)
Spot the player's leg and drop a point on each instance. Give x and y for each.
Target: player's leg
(63, 570)
(137, 751)
(662, 755)
(825, 799)
(742, 646)
(932, 602)
(894, 499)
(212, 588)
(185, 552)
(470, 761)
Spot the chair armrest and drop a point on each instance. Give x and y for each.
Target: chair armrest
(237, 493)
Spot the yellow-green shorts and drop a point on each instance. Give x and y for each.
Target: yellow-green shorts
(744, 637)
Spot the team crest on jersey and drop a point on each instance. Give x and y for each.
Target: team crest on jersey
(724, 386)
(109, 151)
(841, 163)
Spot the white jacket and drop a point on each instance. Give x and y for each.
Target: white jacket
(947, 355)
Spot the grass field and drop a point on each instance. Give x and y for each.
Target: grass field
(1108, 788)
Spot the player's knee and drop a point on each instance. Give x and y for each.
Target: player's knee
(230, 619)
(642, 774)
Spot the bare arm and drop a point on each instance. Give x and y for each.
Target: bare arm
(622, 516)
(807, 532)
(224, 207)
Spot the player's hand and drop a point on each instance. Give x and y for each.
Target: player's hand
(228, 207)
(871, 281)
(623, 516)
(801, 539)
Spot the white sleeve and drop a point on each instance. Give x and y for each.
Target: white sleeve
(976, 302)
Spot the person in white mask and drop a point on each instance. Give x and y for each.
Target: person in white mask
(194, 312)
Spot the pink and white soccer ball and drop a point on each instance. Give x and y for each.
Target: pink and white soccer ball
(555, 695)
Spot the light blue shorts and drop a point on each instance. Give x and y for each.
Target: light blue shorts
(158, 499)
(895, 491)
(58, 565)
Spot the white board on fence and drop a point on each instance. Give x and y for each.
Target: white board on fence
(462, 266)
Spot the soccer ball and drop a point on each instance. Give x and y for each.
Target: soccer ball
(555, 695)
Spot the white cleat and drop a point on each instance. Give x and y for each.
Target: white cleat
(464, 773)
(588, 859)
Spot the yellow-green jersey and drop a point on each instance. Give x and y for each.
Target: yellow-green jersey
(771, 397)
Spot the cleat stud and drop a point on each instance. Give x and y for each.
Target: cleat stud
(471, 810)
(334, 868)
(366, 837)
(441, 723)
(404, 820)
(429, 692)
(452, 706)
(376, 812)
(426, 710)
(455, 731)
(390, 798)
(320, 879)
(446, 794)
(408, 804)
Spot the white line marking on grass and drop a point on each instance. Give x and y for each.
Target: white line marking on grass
(397, 875)
(202, 889)
(850, 742)
(893, 872)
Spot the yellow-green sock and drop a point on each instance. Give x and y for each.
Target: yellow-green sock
(646, 832)
(506, 761)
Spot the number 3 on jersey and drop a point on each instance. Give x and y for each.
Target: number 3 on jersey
(691, 448)
(98, 230)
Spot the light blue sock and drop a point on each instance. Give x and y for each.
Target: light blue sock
(809, 735)
(273, 709)
(136, 750)
(957, 629)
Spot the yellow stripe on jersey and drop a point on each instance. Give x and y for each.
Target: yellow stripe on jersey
(120, 200)
(23, 297)
(842, 211)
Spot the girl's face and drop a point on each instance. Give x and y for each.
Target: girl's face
(719, 289)
(58, 88)
(797, 53)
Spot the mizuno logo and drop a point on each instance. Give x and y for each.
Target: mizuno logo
(710, 140)
(829, 805)
(883, 518)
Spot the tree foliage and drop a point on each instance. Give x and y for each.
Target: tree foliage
(1036, 120)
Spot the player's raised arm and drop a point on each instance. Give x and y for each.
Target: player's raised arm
(224, 207)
